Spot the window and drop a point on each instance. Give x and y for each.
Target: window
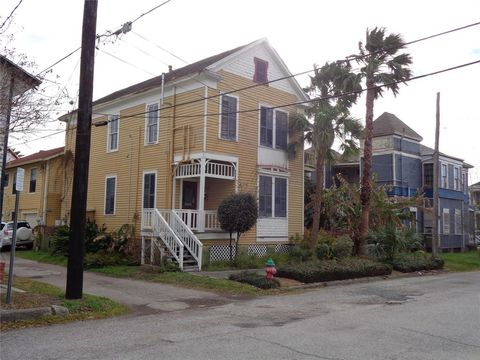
(464, 182)
(5, 180)
(456, 178)
(14, 181)
(151, 126)
(458, 221)
(281, 130)
(113, 133)
(228, 118)
(261, 70)
(271, 120)
(428, 175)
(446, 221)
(110, 190)
(149, 184)
(33, 180)
(272, 197)
(265, 196)
(280, 197)
(444, 183)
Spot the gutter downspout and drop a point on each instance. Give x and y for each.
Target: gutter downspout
(45, 193)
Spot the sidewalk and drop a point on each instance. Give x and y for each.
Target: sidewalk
(140, 296)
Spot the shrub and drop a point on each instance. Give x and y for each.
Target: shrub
(101, 259)
(329, 270)
(416, 262)
(324, 252)
(92, 231)
(60, 240)
(342, 247)
(299, 253)
(254, 279)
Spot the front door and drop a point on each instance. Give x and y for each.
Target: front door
(189, 195)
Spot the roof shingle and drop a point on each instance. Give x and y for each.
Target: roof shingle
(38, 156)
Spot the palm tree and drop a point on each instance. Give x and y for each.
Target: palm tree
(381, 66)
(328, 120)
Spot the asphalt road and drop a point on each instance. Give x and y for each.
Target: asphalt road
(432, 317)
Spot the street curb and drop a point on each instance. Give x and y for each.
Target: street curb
(31, 314)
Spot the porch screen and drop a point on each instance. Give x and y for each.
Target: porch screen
(149, 191)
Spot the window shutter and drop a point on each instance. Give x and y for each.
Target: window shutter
(280, 130)
(229, 118)
(261, 70)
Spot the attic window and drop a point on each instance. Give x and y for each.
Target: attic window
(261, 70)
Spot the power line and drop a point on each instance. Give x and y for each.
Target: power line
(11, 14)
(321, 98)
(149, 11)
(126, 62)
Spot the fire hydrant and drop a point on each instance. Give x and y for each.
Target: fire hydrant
(270, 269)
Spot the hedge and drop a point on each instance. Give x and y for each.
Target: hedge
(254, 279)
(415, 262)
(329, 270)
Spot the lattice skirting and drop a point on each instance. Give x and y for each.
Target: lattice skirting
(222, 252)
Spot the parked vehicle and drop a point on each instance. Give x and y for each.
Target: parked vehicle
(24, 234)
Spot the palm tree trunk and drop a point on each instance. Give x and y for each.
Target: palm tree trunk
(366, 189)
(317, 204)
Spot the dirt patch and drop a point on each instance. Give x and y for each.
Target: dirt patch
(28, 300)
(284, 282)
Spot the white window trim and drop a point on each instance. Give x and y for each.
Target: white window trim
(146, 143)
(274, 127)
(143, 187)
(105, 195)
(30, 179)
(108, 133)
(220, 117)
(273, 176)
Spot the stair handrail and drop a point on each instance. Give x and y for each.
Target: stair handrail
(186, 235)
(162, 229)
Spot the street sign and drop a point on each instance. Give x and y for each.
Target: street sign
(19, 179)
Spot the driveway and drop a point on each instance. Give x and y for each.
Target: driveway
(140, 296)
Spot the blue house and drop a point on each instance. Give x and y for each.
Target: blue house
(402, 163)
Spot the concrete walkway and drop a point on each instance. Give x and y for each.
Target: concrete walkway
(140, 296)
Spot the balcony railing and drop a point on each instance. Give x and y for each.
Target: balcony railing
(192, 218)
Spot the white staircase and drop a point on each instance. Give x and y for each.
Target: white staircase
(172, 237)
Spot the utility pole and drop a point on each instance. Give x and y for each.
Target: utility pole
(76, 245)
(436, 164)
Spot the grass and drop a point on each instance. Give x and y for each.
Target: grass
(174, 278)
(468, 261)
(40, 294)
(42, 256)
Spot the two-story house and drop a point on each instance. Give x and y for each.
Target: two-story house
(165, 152)
(40, 200)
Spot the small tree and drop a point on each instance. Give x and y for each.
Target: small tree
(237, 214)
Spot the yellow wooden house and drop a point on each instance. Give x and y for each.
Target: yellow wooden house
(166, 151)
(41, 198)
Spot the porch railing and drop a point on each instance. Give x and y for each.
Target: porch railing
(187, 237)
(219, 170)
(161, 228)
(188, 170)
(191, 219)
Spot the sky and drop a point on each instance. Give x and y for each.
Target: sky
(303, 32)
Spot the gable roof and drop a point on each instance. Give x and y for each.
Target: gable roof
(190, 69)
(28, 80)
(38, 156)
(389, 124)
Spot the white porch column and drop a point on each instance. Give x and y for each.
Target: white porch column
(201, 197)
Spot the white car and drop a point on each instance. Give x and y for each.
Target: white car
(24, 234)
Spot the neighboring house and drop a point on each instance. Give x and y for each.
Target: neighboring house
(40, 200)
(173, 147)
(309, 164)
(474, 191)
(14, 80)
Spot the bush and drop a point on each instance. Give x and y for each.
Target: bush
(328, 270)
(342, 247)
(101, 259)
(299, 253)
(255, 280)
(324, 252)
(60, 240)
(416, 262)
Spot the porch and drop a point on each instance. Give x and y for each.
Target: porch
(191, 218)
